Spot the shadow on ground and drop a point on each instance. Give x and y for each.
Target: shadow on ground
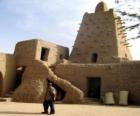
(10, 112)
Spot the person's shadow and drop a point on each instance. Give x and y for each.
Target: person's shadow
(14, 112)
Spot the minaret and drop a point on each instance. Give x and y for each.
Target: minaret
(101, 38)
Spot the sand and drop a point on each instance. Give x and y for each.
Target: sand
(34, 109)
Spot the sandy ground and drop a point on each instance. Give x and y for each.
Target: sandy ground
(31, 109)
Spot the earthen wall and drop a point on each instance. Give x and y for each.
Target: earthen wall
(114, 77)
(28, 50)
(7, 69)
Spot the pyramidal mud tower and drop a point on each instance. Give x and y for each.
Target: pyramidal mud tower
(100, 62)
(101, 38)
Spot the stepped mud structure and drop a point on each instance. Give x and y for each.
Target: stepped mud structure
(100, 62)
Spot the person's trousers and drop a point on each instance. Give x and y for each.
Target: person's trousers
(48, 104)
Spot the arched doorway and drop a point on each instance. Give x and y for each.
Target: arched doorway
(1, 83)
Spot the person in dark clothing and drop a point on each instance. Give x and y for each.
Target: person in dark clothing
(49, 99)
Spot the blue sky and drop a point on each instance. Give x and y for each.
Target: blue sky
(52, 20)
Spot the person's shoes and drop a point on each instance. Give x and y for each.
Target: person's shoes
(44, 112)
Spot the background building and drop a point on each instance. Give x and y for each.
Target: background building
(100, 62)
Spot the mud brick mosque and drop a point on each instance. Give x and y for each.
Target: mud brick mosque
(100, 62)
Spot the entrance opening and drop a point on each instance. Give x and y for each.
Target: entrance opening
(93, 87)
(94, 57)
(44, 54)
(1, 83)
(61, 57)
(19, 72)
(60, 93)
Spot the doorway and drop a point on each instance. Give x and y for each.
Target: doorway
(93, 87)
(44, 54)
(60, 93)
(94, 57)
(19, 72)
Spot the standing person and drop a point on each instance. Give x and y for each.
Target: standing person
(49, 99)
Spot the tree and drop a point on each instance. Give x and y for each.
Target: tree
(129, 11)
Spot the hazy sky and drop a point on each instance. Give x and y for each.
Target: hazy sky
(53, 20)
